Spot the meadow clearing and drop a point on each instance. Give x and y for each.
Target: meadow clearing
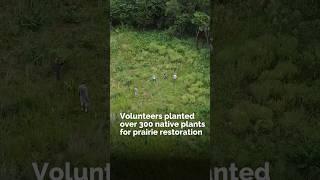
(138, 56)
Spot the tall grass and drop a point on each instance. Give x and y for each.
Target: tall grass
(135, 57)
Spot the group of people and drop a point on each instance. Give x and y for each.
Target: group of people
(165, 76)
(83, 89)
(154, 79)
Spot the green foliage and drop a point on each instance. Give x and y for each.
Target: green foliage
(40, 118)
(201, 20)
(141, 13)
(32, 16)
(173, 15)
(140, 55)
(266, 75)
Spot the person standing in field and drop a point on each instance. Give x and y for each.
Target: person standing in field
(154, 79)
(57, 68)
(84, 96)
(175, 77)
(165, 76)
(135, 91)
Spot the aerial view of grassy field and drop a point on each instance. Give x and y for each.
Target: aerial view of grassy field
(160, 64)
(138, 56)
(40, 116)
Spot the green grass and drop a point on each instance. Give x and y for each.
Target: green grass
(40, 117)
(135, 57)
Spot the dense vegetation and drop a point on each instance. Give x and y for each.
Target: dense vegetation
(40, 117)
(135, 57)
(266, 65)
(266, 68)
(157, 37)
(179, 17)
(161, 39)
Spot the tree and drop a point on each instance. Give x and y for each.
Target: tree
(202, 22)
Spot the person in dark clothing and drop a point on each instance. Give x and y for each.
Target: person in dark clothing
(57, 68)
(84, 97)
(165, 76)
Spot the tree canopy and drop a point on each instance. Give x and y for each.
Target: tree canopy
(177, 16)
(266, 86)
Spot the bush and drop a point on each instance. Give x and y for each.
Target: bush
(174, 15)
